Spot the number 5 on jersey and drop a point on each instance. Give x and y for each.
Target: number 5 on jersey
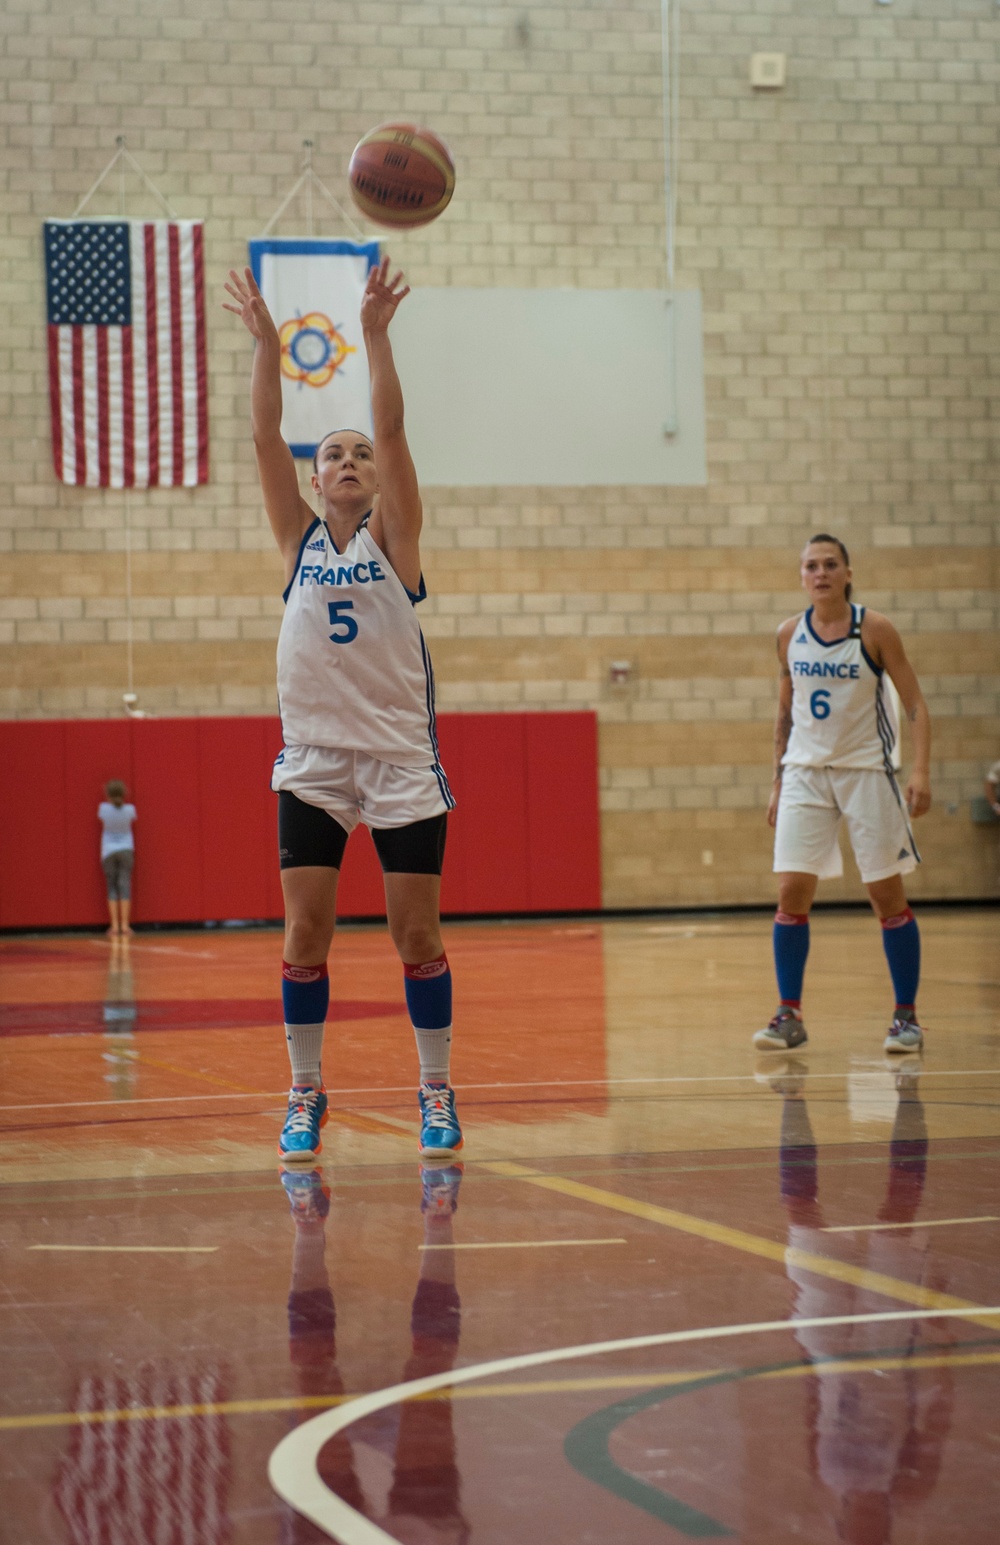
(345, 628)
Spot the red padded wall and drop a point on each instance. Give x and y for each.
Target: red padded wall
(564, 830)
(33, 826)
(166, 785)
(488, 833)
(237, 839)
(523, 838)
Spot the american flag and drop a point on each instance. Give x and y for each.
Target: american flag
(127, 376)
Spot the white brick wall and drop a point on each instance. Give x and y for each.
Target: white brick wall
(845, 234)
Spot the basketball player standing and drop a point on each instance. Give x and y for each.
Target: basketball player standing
(356, 696)
(833, 744)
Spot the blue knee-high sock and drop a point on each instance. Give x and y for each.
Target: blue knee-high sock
(428, 999)
(305, 993)
(791, 950)
(901, 942)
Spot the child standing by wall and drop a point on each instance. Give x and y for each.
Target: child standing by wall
(117, 854)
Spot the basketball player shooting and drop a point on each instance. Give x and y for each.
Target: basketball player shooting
(356, 697)
(833, 745)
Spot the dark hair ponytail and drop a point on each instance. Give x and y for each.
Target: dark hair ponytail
(824, 536)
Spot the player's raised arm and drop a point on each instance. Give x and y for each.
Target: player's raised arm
(287, 511)
(886, 647)
(783, 721)
(398, 515)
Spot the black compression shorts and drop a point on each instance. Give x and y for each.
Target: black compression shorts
(308, 836)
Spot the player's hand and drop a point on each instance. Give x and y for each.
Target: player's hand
(250, 307)
(772, 804)
(918, 794)
(382, 296)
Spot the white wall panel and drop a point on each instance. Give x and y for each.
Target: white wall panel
(506, 387)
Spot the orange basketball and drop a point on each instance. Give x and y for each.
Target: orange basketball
(401, 175)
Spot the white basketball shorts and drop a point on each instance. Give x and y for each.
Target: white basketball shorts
(813, 800)
(353, 787)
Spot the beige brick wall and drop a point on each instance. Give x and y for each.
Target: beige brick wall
(845, 235)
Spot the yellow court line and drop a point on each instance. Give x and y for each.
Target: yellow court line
(385, 1126)
(871, 1363)
(878, 1364)
(292, 1468)
(525, 1244)
(358, 1122)
(134, 1249)
(750, 1244)
(207, 1078)
(872, 1228)
(169, 1413)
(874, 1363)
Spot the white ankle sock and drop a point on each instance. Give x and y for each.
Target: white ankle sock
(434, 1049)
(305, 1048)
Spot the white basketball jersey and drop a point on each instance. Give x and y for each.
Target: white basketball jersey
(842, 715)
(353, 668)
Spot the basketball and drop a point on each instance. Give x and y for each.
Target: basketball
(401, 175)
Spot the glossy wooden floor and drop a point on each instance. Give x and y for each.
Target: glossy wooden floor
(176, 1316)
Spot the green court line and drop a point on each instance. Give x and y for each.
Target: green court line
(586, 1445)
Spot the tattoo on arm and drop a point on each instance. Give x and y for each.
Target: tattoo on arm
(782, 730)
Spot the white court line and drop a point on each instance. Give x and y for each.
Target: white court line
(133, 1249)
(148, 1099)
(525, 1244)
(540, 1083)
(292, 1466)
(870, 1228)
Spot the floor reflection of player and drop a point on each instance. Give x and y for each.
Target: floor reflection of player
(423, 1504)
(120, 1014)
(875, 1440)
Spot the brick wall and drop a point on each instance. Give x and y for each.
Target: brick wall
(845, 235)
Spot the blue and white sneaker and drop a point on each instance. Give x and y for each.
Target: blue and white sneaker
(440, 1185)
(903, 1035)
(440, 1133)
(300, 1140)
(308, 1195)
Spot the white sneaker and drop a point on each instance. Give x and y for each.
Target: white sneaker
(904, 1035)
(784, 1033)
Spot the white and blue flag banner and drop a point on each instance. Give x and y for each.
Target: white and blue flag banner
(313, 290)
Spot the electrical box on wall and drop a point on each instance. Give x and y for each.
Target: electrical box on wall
(767, 71)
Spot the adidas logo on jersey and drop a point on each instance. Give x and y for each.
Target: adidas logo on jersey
(903, 853)
(802, 639)
(316, 547)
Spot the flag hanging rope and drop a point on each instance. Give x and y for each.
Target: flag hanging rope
(670, 62)
(308, 180)
(122, 158)
(129, 697)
